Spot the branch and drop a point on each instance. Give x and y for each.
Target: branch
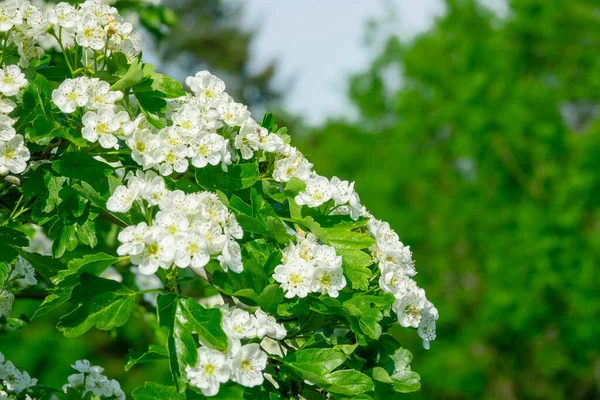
(204, 274)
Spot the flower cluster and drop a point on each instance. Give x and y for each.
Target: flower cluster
(89, 379)
(93, 25)
(241, 363)
(104, 121)
(396, 268)
(308, 266)
(13, 380)
(13, 153)
(186, 231)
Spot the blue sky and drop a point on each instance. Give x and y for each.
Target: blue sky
(318, 44)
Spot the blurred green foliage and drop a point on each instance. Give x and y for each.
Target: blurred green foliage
(479, 141)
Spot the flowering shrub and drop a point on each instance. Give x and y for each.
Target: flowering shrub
(266, 279)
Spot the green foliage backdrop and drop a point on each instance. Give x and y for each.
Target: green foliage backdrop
(491, 150)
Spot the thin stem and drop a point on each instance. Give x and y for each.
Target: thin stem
(10, 217)
(150, 290)
(62, 49)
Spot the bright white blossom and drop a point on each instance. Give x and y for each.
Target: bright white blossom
(71, 94)
(90, 379)
(11, 79)
(101, 126)
(248, 364)
(210, 371)
(317, 192)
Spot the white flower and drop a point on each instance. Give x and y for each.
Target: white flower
(187, 120)
(15, 380)
(23, 273)
(13, 156)
(9, 18)
(239, 324)
(150, 186)
(395, 281)
(84, 366)
(326, 257)
(174, 223)
(192, 252)
(295, 165)
(90, 33)
(341, 190)
(132, 239)
(328, 280)
(295, 277)
(207, 87)
(11, 80)
(6, 105)
(231, 257)
(159, 251)
(409, 308)
(174, 159)
(234, 114)
(145, 148)
(317, 192)
(207, 150)
(248, 364)
(101, 126)
(247, 140)
(98, 10)
(213, 235)
(101, 95)
(426, 329)
(72, 93)
(122, 199)
(7, 132)
(6, 302)
(64, 15)
(266, 325)
(210, 371)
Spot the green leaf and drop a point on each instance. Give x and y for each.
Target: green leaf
(66, 279)
(405, 380)
(313, 364)
(139, 356)
(13, 237)
(83, 166)
(3, 272)
(103, 303)
(341, 239)
(183, 317)
(340, 222)
(7, 254)
(270, 298)
(169, 87)
(354, 263)
(237, 177)
(156, 391)
(268, 122)
(47, 185)
(46, 266)
(349, 382)
(133, 76)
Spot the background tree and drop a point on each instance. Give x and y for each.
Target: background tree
(209, 35)
(491, 143)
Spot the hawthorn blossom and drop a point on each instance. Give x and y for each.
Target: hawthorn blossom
(210, 371)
